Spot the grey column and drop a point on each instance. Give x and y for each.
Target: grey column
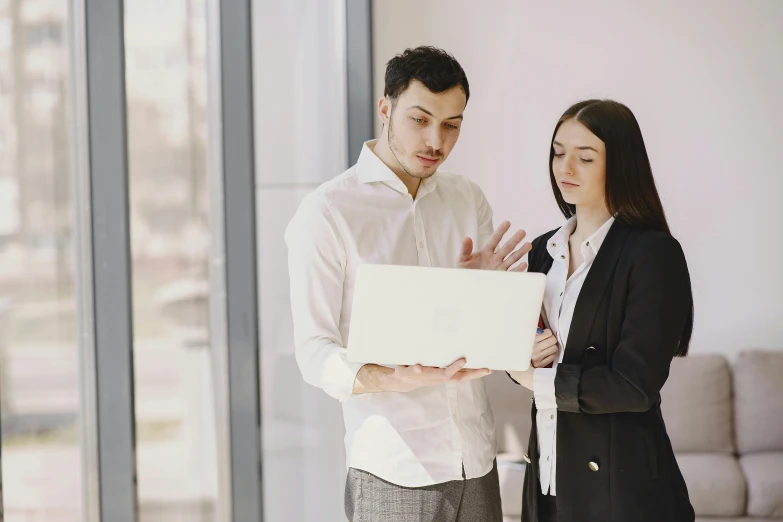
(360, 104)
(234, 311)
(100, 164)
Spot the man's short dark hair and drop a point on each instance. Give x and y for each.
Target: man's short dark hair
(436, 69)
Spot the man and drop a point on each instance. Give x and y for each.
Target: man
(420, 441)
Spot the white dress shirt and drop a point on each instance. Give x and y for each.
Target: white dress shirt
(560, 299)
(366, 215)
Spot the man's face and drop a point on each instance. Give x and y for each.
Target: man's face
(423, 127)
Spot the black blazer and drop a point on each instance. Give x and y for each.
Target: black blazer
(626, 327)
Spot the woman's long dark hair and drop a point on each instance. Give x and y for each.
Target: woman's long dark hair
(631, 195)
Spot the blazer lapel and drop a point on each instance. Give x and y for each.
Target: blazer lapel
(539, 259)
(593, 291)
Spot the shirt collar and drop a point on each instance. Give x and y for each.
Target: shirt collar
(597, 239)
(370, 169)
(558, 243)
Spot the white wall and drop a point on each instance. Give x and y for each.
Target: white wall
(705, 80)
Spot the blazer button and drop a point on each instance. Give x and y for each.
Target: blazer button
(591, 348)
(526, 457)
(593, 466)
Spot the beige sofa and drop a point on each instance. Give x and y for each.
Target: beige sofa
(725, 423)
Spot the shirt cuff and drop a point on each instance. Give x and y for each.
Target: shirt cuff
(352, 370)
(337, 375)
(544, 388)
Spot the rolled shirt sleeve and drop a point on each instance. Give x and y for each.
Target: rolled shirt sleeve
(316, 269)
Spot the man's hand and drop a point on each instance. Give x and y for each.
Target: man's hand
(492, 258)
(545, 350)
(373, 378)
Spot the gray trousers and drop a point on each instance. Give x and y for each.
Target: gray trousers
(371, 499)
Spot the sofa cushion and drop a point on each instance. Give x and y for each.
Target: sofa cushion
(758, 387)
(715, 482)
(511, 473)
(723, 519)
(764, 473)
(697, 406)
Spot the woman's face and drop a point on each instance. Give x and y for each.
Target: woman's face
(579, 165)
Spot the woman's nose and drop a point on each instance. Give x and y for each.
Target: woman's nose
(566, 167)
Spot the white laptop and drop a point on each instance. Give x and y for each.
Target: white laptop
(404, 315)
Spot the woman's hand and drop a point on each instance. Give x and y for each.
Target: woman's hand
(545, 350)
(524, 378)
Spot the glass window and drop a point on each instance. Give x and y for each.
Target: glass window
(170, 240)
(39, 357)
(301, 108)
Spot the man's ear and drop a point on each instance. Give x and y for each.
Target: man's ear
(384, 110)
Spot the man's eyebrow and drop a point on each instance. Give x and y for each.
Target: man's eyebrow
(425, 111)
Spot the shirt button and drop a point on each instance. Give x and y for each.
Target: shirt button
(454, 416)
(561, 294)
(421, 245)
(562, 257)
(552, 416)
(588, 243)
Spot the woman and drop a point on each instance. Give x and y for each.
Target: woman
(618, 307)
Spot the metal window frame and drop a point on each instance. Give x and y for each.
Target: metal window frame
(104, 288)
(100, 165)
(234, 314)
(359, 55)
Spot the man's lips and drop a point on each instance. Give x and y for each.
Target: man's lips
(427, 161)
